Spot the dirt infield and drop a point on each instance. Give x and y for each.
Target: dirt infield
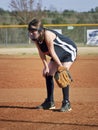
(22, 88)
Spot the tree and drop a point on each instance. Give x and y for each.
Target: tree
(38, 11)
(96, 9)
(24, 10)
(58, 20)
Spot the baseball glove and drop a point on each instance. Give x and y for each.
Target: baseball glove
(62, 77)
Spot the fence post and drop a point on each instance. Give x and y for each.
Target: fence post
(6, 38)
(84, 35)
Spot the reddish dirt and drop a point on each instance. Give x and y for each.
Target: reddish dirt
(22, 88)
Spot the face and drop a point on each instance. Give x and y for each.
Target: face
(33, 33)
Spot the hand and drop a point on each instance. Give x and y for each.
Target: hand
(45, 71)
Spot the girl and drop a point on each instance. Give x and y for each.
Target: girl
(62, 51)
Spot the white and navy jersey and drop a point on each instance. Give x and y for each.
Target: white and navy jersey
(65, 48)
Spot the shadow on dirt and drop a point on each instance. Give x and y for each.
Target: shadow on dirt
(19, 107)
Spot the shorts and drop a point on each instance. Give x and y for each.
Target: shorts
(63, 55)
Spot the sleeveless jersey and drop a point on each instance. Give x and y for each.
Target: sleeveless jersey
(63, 46)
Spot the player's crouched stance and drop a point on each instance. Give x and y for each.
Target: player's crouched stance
(63, 53)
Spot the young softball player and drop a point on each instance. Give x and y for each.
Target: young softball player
(62, 51)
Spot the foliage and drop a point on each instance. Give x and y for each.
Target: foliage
(22, 12)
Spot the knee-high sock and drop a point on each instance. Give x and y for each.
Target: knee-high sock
(50, 88)
(65, 92)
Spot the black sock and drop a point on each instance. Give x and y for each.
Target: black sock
(65, 92)
(50, 88)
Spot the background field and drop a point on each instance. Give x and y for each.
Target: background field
(22, 88)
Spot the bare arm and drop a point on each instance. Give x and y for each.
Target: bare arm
(42, 56)
(49, 37)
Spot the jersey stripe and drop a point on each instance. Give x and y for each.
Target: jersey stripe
(67, 47)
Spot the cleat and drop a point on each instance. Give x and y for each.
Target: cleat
(65, 107)
(46, 105)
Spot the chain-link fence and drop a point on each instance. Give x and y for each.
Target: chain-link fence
(17, 35)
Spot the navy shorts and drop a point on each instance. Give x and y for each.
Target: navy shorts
(62, 55)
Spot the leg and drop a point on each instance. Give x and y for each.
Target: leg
(65, 91)
(50, 88)
(49, 102)
(50, 81)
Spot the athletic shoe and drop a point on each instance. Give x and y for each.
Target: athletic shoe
(46, 105)
(65, 106)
